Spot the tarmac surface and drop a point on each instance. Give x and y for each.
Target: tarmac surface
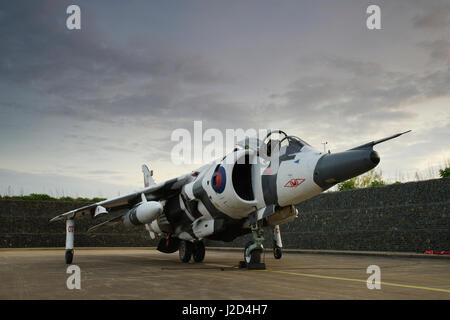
(132, 273)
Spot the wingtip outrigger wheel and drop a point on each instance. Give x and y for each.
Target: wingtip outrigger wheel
(277, 252)
(69, 256)
(277, 244)
(70, 230)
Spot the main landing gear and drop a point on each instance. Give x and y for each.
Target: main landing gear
(188, 250)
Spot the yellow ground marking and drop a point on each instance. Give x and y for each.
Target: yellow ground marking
(358, 280)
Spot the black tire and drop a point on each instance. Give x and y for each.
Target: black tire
(199, 251)
(255, 255)
(69, 256)
(185, 251)
(277, 252)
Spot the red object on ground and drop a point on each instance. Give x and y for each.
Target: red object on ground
(437, 252)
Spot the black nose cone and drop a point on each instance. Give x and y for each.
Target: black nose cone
(338, 167)
(374, 157)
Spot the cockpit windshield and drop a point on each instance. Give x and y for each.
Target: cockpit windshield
(294, 144)
(287, 144)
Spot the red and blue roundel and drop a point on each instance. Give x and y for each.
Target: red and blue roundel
(219, 179)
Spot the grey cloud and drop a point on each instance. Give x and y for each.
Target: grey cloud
(15, 182)
(437, 17)
(102, 172)
(439, 50)
(119, 91)
(361, 94)
(87, 76)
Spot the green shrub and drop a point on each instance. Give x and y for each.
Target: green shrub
(46, 197)
(97, 199)
(369, 179)
(346, 185)
(444, 173)
(377, 183)
(66, 199)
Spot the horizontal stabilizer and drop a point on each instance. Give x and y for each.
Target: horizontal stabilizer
(110, 223)
(371, 144)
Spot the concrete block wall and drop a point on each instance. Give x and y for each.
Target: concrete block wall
(410, 217)
(26, 224)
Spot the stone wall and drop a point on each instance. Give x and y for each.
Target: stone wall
(411, 217)
(26, 224)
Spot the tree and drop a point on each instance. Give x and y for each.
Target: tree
(369, 179)
(445, 173)
(347, 185)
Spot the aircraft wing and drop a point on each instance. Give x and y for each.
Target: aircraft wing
(159, 191)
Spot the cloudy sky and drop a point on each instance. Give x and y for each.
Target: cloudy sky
(81, 110)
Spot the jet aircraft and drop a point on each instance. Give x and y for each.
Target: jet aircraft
(253, 188)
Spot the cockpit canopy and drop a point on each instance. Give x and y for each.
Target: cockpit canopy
(287, 144)
(293, 144)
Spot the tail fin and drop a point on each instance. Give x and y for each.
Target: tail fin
(148, 176)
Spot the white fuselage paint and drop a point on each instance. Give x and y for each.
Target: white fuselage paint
(295, 183)
(228, 201)
(300, 169)
(295, 179)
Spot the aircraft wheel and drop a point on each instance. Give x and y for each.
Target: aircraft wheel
(69, 256)
(185, 251)
(254, 257)
(277, 253)
(199, 251)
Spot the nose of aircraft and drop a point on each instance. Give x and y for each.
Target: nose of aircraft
(338, 167)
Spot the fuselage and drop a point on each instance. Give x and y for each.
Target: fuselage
(225, 193)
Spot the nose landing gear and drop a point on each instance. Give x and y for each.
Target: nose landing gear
(253, 250)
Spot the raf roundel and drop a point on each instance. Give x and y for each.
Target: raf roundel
(219, 180)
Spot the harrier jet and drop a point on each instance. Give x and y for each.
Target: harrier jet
(253, 188)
